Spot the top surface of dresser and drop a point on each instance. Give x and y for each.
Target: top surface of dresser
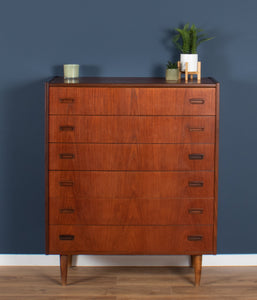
(130, 81)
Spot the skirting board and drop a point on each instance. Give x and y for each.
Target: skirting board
(129, 260)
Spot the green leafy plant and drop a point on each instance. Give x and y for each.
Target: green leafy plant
(171, 65)
(189, 38)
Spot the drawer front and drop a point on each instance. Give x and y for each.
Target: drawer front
(130, 239)
(131, 157)
(122, 129)
(130, 185)
(132, 101)
(131, 211)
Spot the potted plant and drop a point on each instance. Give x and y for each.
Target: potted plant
(172, 71)
(187, 40)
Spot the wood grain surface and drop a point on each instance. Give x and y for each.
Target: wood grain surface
(179, 239)
(130, 211)
(131, 101)
(129, 185)
(131, 129)
(141, 157)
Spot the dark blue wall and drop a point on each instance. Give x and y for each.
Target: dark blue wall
(122, 38)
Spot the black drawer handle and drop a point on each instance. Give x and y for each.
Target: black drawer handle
(195, 183)
(66, 210)
(66, 100)
(65, 237)
(66, 183)
(196, 156)
(196, 101)
(195, 211)
(67, 128)
(196, 129)
(194, 238)
(67, 156)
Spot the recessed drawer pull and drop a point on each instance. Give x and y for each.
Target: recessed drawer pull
(196, 156)
(195, 183)
(196, 129)
(196, 101)
(66, 183)
(67, 128)
(66, 100)
(194, 238)
(67, 156)
(66, 210)
(64, 237)
(195, 211)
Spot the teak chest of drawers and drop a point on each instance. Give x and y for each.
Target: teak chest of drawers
(131, 168)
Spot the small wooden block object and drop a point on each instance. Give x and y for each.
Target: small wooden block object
(198, 73)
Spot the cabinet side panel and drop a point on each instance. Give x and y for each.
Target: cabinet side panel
(46, 169)
(216, 168)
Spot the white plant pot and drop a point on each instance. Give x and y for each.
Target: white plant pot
(191, 59)
(71, 70)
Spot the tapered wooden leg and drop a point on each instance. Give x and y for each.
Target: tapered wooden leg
(199, 72)
(64, 268)
(179, 71)
(198, 268)
(69, 261)
(192, 261)
(186, 72)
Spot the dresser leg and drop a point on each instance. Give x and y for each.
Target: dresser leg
(69, 261)
(64, 268)
(197, 264)
(193, 261)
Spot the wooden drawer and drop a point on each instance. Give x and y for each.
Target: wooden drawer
(131, 157)
(132, 101)
(131, 211)
(81, 185)
(122, 129)
(130, 239)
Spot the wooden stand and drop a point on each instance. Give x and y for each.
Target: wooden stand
(198, 73)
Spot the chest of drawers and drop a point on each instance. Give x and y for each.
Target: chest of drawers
(131, 168)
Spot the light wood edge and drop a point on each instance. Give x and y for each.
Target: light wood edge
(199, 70)
(179, 70)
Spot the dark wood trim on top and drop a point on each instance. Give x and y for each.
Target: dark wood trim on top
(129, 82)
